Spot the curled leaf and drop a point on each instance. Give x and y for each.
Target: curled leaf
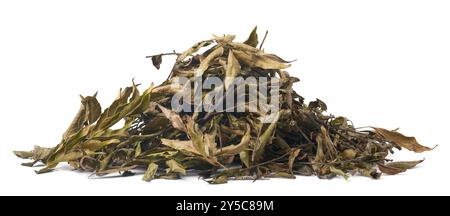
(236, 149)
(157, 60)
(339, 172)
(192, 50)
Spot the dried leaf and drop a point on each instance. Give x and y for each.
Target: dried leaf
(205, 63)
(404, 164)
(339, 172)
(24, 154)
(150, 173)
(409, 143)
(236, 149)
(260, 60)
(253, 38)
(174, 118)
(265, 139)
(157, 60)
(175, 167)
(181, 145)
(193, 49)
(390, 170)
(233, 69)
(294, 154)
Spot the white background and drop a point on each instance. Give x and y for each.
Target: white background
(380, 63)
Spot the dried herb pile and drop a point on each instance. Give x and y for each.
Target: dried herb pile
(221, 146)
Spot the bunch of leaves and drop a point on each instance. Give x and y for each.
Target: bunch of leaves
(220, 146)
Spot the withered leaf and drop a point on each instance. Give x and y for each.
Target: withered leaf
(174, 118)
(205, 63)
(390, 170)
(404, 164)
(253, 38)
(236, 149)
(157, 60)
(265, 139)
(233, 69)
(181, 145)
(294, 154)
(150, 173)
(339, 172)
(260, 60)
(294, 138)
(193, 49)
(409, 143)
(175, 167)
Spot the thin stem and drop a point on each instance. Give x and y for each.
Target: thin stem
(264, 39)
(164, 54)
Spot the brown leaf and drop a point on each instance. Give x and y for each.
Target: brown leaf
(236, 149)
(404, 164)
(390, 170)
(260, 60)
(294, 154)
(409, 143)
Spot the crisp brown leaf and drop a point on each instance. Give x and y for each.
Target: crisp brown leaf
(390, 170)
(404, 164)
(409, 143)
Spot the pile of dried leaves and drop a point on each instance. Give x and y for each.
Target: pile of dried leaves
(221, 146)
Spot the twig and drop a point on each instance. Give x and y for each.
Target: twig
(267, 162)
(164, 54)
(264, 39)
